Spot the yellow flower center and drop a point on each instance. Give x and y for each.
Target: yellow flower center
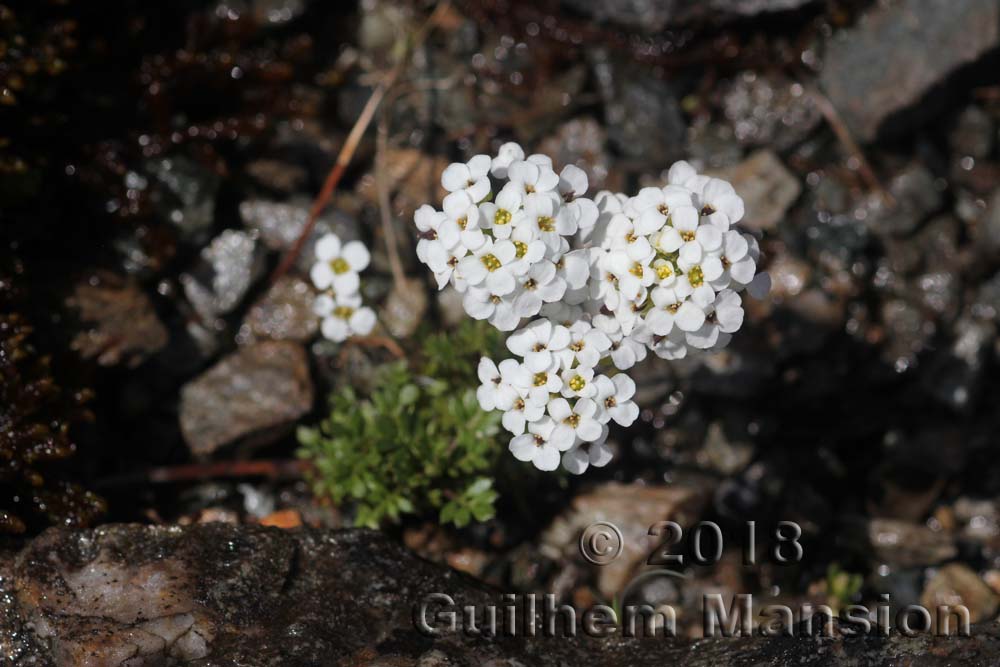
(696, 277)
(529, 188)
(340, 265)
(491, 262)
(577, 383)
(501, 217)
(462, 222)
(662, 208)
(519, 404)
(546, 223)
(521, 247)
(687, 236)
(343, 312)
(673, 308)
(541, 379)
(610, 402)
(577, 346)
(636, 270)
(664, 271)
(631, 238)
(573, 420)
(494, 299)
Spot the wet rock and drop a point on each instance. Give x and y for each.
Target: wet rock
(916, 195)
(939, 292)
(986, 304)
(581, 142)
(280, 224)
(973, 134)
(405, 308)
(723, 453)
(123, 327)
(906, 333)
(642, 115)
(632, 508)
(768, 110)
(955, 375)
(766, 186)
(185, 196)
(219, 594)
(230, 263)
(654, 15)
(903, 544)
(284, 313)
(710, 145)
(991, 222)
(258, 388)
(882, 65)
(956, 584)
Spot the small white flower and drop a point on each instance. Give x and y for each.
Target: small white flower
(614, 397)
(498, 215)
(633, 273)
(508, 153)
(680, 173)
(494, 264)
(347, 318)
(622, 235)
(719, 196)
(573, 424)
(523, 411)
(581, 457)
(481, 304)
(443, 260)
(337, 265)
(578, 382)
(723, 317)
(537, 342)
(587, 345)
(657, 207)
(539, 285)
(547, 218)
(535, 445)
(470, 177)
(532, 178)
(498, 389)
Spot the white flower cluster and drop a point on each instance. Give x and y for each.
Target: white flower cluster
(335, 273)
(610, 277)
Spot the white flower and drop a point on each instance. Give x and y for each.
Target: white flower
(573, 424)
(498, 389)
(539, 285)
(735, 256)
(622, 235)
(578, 382)
(462, 223)
(535, 445)
(680, 173)
(633, 273)
(724, 317)
(614, 398)
(337, 265)
(543, 385)
(522, 412)
(537, 342)
(672, 346)
(578, 459)
(493, 263)
(470, 177)
(532, 178)
(587, 345)
(481, 304)
(547, 218)
(347, 318)
(657, 207)
(443, 260)
(508, 153)
(498, 215)
(719, 196)
(626, 351)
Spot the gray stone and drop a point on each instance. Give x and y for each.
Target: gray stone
(768, 110)
(257, 388)
(280, 223)
(883, 64)
(973, 134)
(217, 594)
(956, 584)
(284, 313)
(767, 187)
(916, 195)
(405, 308)
(654, 15)
(230, 264)
(904, 544)
(991, 222)
(185, 195)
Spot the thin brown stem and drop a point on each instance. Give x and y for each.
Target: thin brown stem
(353, 139)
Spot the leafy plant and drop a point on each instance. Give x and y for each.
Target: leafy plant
(419, 442)
(841, 586)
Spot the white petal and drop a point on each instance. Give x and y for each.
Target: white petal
(328, 247)
(689, 317)
(523, 447)
(357, 255)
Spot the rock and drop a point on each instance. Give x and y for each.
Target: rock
(185, 195)
(906, 333)
(916, 195)
(725, 454)
(955, 374)
(766, 186)
(973, 134)
(277, 175)
(129, 595)
(126, 327)
(581, 142)
(230, 264)
(405, 308)
(768, 110)
(642, 115)
(655, 15)
(956, 584)
(280, 223)
(259, 387)
(882, 65)
(991, 222)
(903, 544)
(284, 313)
(632, 508)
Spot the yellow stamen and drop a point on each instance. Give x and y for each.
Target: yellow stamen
(546, 223)
(541, 379)
(340, 265)
(696, 277)
(577, 383)
(491, 262)
(501, 217)
(343, 312)
(521, 247)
